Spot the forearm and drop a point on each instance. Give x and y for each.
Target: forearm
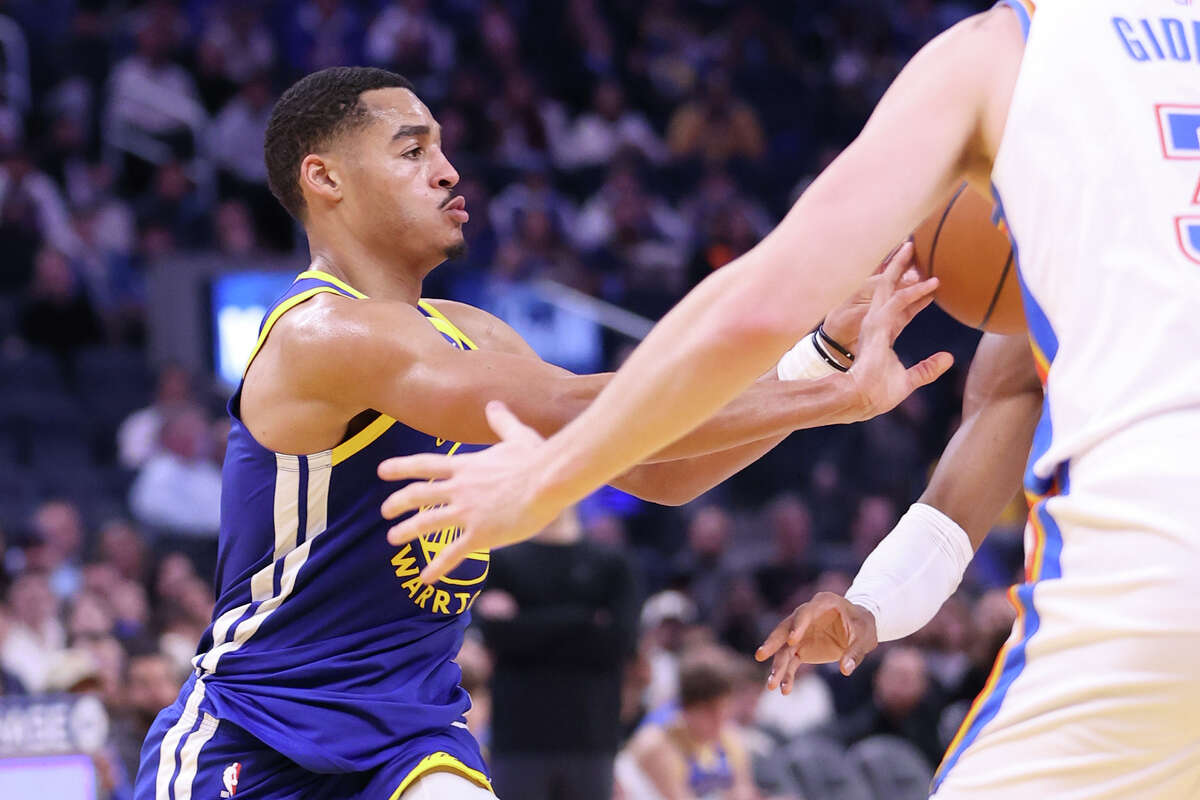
(982, 466)
(768, 409)
(673, 483)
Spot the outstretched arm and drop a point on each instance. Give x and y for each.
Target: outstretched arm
(938, 122)
(977, 476)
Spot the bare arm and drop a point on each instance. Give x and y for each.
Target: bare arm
(977, 476)
(332, 358)
(660, 762)
(664, 479)
(981, 468)
(939, 121)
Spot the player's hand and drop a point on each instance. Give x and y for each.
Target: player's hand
(844, 323)
(486, 495)
(880, 379)
(827, 628)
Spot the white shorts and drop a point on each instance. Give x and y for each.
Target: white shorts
(445, 786)
(1096, 695)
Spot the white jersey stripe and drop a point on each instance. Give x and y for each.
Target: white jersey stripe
(287, 510)
(320, 467)
(189, 756)
(166, 753)
(287, 520)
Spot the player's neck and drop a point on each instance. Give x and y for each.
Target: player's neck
(384, 280)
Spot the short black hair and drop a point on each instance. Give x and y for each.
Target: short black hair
(309, 115)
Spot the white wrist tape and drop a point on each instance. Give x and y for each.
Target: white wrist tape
(912, 572)
(803, 363)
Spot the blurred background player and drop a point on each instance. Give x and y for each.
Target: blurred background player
(560, 615)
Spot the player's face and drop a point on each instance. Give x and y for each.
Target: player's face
(401, 187)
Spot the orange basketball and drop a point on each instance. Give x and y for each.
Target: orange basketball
(973, 260)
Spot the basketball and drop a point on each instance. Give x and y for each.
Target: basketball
(972, 257)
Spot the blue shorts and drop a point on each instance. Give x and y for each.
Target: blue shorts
(189, 754)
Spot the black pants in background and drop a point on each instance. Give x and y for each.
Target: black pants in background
(577, 776)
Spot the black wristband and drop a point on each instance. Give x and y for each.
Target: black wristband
(835, 345)
(828, 359)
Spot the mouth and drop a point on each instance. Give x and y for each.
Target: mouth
(456, 207)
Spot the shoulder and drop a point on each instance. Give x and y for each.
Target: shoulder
(485, 329)
(651, 742)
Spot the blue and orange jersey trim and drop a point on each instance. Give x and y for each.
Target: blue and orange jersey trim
(1024, 10)
(1044, 561)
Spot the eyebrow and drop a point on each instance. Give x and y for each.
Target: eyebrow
(407, 131)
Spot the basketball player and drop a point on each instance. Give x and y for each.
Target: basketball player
(1082, 120)
(328, 670)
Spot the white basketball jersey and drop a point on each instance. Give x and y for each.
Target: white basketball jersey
(1098, 178)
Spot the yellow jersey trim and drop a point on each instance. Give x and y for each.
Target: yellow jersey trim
(325, 276)
(444, 325)
(279, 311)
(362, 439)
(441, 761)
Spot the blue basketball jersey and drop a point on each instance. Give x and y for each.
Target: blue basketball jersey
(324, 643)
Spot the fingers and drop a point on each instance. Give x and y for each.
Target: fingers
(431, 520)
(422, 465)
(930, 369)
(915, 293)
(506, 424)
(414, 496)
(899, 262)
(450, 557)
(777, 639)
(780, 666)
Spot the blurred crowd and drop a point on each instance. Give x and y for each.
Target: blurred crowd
(625, 148)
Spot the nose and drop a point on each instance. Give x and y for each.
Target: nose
(444, 175)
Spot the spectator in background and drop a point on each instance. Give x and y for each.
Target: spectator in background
(10, 684)
(138, 436)
(150, 686)
(35, 634)
(622, 214)
(697, 753)
(904, 703)
(323, 33)
(790, 569)
(702, 563)
(57, 314)
(178, 489)
(172, 204)
(405, 37)
(237, 42)
(528, 126)
(560, 616)
(32, 209)
(607, 128)
(237, 134)
(58, 531)
(666, 617)
(236, 238)
(872, 521)
(716, 126)
(153, 109)
(534, 192)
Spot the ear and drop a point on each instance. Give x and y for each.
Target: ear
(320, 178)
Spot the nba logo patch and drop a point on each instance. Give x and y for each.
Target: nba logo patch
(1188, 230)
(230, 779)
(1179, 130)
